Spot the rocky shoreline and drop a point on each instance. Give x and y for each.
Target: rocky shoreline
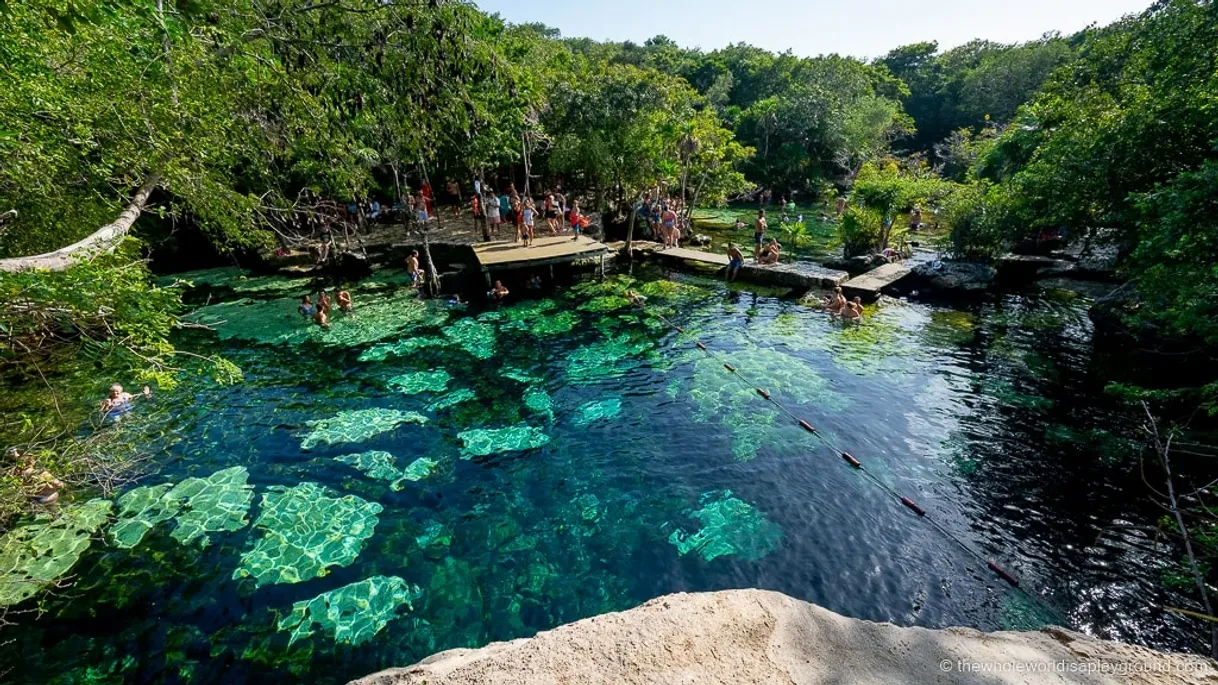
(750, 637)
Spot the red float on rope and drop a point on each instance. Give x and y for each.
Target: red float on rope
(913, 506)
(679, 329)
(762, 392)
(1003, 574)
(806, 426)
(700, 346)
(851, 460)
(729, 367)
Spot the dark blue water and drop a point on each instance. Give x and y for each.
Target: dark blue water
(991, 416)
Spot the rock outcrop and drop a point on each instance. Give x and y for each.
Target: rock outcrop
(747, 637)
(947, 276)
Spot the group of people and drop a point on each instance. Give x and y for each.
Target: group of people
(837, 305)
(319, 312)
(664, 219)
(522, 213)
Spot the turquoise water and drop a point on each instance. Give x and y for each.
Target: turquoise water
(420, 478)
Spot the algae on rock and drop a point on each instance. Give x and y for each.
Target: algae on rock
(481, 442)
(214, 504)
(421, 381)
(375, 464)
(473, 336)
(729, 526)
(305, 531)
(352, 614)
(356, 425)
(598, 410)
(138, 511)
(382, 351)
(452, 399)
(383, 466)
(36, 554)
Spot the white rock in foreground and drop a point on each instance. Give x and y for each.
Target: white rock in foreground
(745, 637)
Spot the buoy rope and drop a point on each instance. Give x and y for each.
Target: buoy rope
(857, 465)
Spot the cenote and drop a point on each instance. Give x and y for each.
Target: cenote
(421, 478)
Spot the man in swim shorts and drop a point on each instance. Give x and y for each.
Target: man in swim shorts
(412, 267)
(735, 260)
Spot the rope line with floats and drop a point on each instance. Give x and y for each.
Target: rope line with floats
(858, 466)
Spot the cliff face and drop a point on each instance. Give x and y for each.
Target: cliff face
(742, 637)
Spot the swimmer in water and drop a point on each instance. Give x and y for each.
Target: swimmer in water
(836, 302)
(854, 310)
(42, 485)
(344, 302)
(118, 401)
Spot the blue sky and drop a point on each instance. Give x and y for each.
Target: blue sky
(863, 28)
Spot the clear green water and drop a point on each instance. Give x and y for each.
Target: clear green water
(420, 478)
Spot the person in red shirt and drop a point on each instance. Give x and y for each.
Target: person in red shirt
(426, 191)
(575, 218)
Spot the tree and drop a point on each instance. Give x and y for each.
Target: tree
(1135, 109)
(881, 191)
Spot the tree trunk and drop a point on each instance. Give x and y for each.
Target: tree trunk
(102, 241)
(486, 225)
(630, 233)
(433, 274)
(524, 147)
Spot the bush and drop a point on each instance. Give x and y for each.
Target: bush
(861, 230)
(975, 214)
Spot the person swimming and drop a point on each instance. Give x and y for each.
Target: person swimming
(43, 487)
(635, 298)
(854, 310)
(306, 308)
(836, 302)
(118, 402)
(344, 302)
(498, 292)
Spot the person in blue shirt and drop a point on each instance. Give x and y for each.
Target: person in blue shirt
(374, 210)
(306, 308)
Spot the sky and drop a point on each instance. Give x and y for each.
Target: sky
(861, 28)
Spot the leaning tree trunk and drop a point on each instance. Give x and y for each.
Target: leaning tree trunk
(433, 274)
(102, 241)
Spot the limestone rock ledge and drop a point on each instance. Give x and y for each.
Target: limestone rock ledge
(745, 637)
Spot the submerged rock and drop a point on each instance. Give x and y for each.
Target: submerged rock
(756, 637)
(304, 533)
(481, 442)
(34, 555)
(730, 526)
(356, 426)
(352, 614)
